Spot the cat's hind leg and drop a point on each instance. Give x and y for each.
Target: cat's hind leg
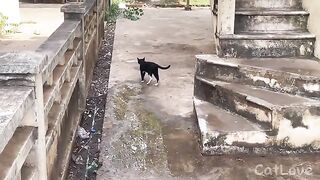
(156, 75)
(149, 79)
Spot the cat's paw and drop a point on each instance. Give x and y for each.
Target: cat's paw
(156, 84)
(142, 81)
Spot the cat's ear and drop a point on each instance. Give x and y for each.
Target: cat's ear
(144, 58)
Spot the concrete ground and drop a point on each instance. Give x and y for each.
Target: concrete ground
(38, 22)
(150, 132)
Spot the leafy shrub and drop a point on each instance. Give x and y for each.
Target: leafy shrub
(3, 23)
(114, 12)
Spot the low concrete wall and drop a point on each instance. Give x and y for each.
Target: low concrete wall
(56, 78)
(313, 7)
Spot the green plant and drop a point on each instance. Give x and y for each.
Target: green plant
(5, 27)
(133, 13)
(13, 28)
(3, 23)
(114, 12)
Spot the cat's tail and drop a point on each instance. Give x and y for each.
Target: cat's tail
(164, 67)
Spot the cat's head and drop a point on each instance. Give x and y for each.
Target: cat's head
(141, 60)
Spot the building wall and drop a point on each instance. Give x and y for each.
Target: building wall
(313, 7)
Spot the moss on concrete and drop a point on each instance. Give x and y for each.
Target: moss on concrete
(121, 100)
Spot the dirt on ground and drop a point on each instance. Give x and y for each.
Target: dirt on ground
(86, 149)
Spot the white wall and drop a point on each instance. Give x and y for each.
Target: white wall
(10, 8)
(313, 7)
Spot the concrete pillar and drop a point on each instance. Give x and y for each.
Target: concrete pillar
(10, 8)
(226, 16)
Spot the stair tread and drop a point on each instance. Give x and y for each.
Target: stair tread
(291, 65)
(273, 35)
(212, 118)
(16, 151)
(266, 98)
(270, 12)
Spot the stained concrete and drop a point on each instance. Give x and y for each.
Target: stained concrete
(150, 132)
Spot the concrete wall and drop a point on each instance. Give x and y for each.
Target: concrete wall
(313, 7)
(60, 72)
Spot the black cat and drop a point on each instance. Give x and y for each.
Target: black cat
(151, 68)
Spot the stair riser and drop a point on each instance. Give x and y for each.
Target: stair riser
(259, 142)
(246, 48)
(231, 143)
(260, 23)
(274, 4)
(252, 109)
(272, 80)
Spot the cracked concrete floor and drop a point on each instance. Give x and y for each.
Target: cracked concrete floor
(150, 132)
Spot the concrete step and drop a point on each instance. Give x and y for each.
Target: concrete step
(258, 105)
(277, 74)
(15, 153)
(288, 44)
(269, 4)
(15, 102)
(29, 173)
(270, 20)
(225, 133)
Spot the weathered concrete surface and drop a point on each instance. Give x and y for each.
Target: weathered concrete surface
(265, 4)
(150, 132)
(38, 22)
(276, 74)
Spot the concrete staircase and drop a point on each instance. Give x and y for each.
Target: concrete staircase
(260, 94)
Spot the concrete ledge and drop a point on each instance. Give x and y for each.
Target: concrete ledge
(74, 7)
(57, 44)
(78, 7)
(60, 75)
(14, 104)
(22, 62)
(269, 36)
